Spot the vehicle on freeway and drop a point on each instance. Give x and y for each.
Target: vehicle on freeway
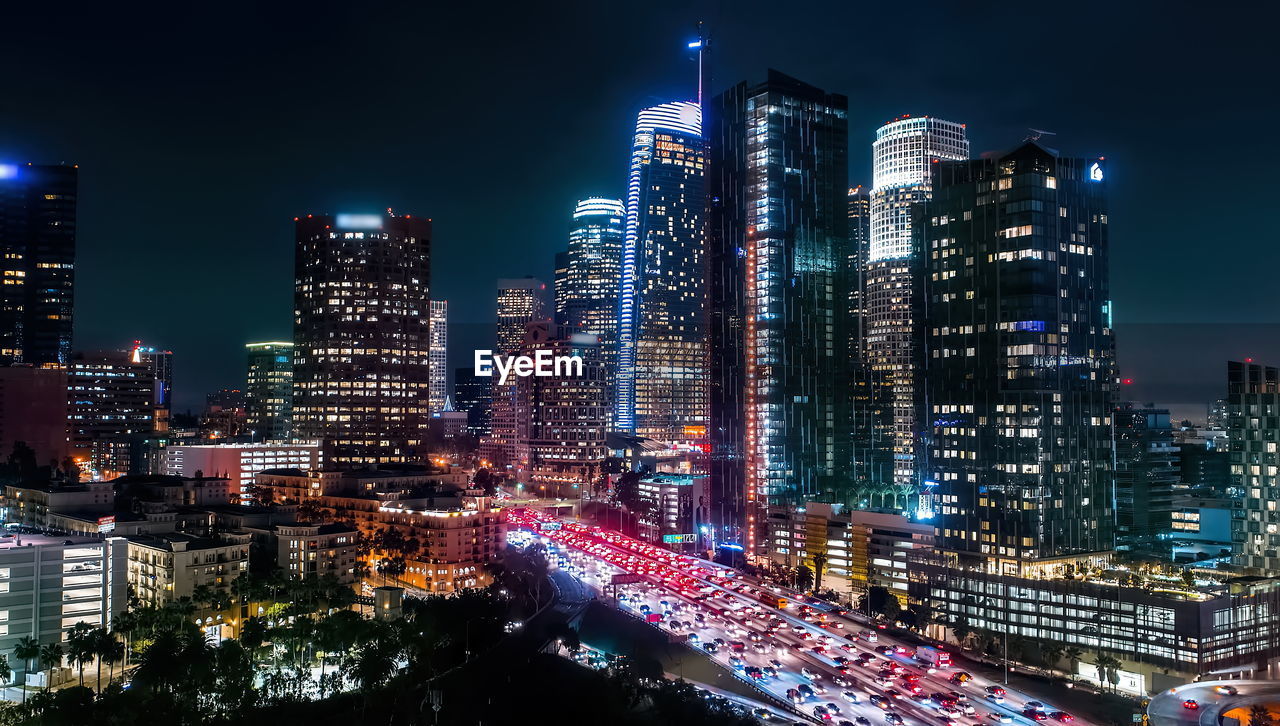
(794, 695)
(1225, 690)
(821, 713)
(1062, 716)
(893, 693)
(949, 711)
(884, 649)
(862, 721)
(933, 656)
(879, 701)
(753, 672)
(893, 718)
(710, 648)
(775, 663)
(960, 678)
(1191, 704)
(811, 675)
(999, 717)
(948, 721)
(736, 661)
(806, 691)
(995, 697)
(995, 690)
(851, 696)
(1034, 714)
(842, 682)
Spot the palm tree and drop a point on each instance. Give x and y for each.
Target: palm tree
(5, 671)
(81, 645)
(126, 624)
(111, 652)
(26, 650)
(1051, 653)
(1259, 715)
(1107, 668)
(50, 657)
(1073, 655)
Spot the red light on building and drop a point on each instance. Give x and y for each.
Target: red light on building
(1127, 381)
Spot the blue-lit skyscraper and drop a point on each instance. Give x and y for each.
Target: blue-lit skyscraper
(587, 285)
(662, 348)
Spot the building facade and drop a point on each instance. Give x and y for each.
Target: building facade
(111, 402)
(587, 297)
(779, 252)
(166, 567)
(902, 154)
(520, 302)
(269, 390)
(1253, 424)
(1147, 474)
(474, 395)
(37, 262)
(361, 371)
(661, 385)
(240, 463)
(438, 359)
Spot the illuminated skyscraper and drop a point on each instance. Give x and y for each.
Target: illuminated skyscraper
(439, 356)
(161, 363)
(870, 410)
(662, 345)
(520, 302)
(1019, 358)
(587, 297)
(779, 248)
(1253, 422)
(269, 390)
(37, 262)
(112, 401)
(902, 155)
(361, 336)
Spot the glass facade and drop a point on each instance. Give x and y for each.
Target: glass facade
(780, 247)
(269, 390)
(662, 375)
(438, 359)
(587, 294)
(1253, 424)
(361, 336)
(1020, 359)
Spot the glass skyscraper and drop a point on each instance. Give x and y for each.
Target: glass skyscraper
(37, 262)
(1019, 359)
(902, 154)
(662, 347)
(269, 389)
(779, 248)
(520, 302)
(438, 360)
(587, 294)
(361, 336)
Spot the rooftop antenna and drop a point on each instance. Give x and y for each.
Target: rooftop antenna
(1037, 133)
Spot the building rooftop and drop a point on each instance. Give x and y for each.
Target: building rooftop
(177, 541)
(13, 541)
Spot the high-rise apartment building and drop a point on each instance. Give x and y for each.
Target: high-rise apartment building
(161, 362)
(269, 390)
(1253, 424)
(361, 374)
(520, 300)
(111, 403)
(37, 262)
(438, 359)
(1019, 358)
(587, 296)
(779, 248)
(903, 152)
(661, 388)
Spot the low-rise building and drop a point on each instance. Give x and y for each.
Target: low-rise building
(166, 567)
(31, 504)
(316, 550)
(173, 491)
(291, 485)
(677, 510)
(241, 462)
(48, 584)
(1201, 529)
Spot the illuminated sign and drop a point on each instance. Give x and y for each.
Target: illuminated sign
(358, 221)
(1095, 171)
(679, 538)
(106, 524)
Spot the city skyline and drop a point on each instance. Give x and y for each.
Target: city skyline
(1133, 126)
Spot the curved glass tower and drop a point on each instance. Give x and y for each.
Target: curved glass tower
(587, 296)
(662, 379)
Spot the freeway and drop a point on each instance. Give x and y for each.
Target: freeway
(791, 649)
(1207, 701)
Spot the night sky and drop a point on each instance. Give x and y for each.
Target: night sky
(202, 131)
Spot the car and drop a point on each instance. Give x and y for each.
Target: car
(850, 696)
(879, 701)
(1034, 714)
(999, 717)
(884, 650)
(1034, 704)
(805, 690)
(821, 713)
(868, 636)
(834, 708)
(839, 659)
(996, 690)
(1062, 716)
(960, 678)
(775, 663)
(811, 675)
(842, 682)
(893, 693)
(1225, 690)
(770, 671)
(893, 718)
(995, 697)
(753, 672)
(794, 695)
(710, 648)
(949, 711)
(1191, 704)
(862, 721)
(948, 721)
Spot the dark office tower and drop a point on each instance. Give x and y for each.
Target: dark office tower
(269, 390)
(520, 302)
(870, 395)
(1019, 357)
(37, 262)
(662, 339)
(474, 395)
(560, 287)
(111, 402)
(779, 246)
(587, 301)
(903, 151)
(1147, 473)
(161, 364)
(361, 336)
(1253, 424)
